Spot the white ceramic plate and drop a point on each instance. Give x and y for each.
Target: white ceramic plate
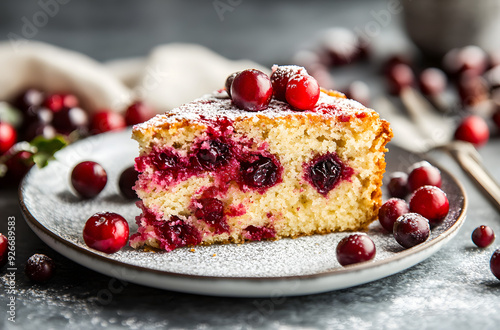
(286, 267)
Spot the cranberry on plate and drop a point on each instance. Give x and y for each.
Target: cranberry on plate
(89, 179)
(127, 181)
(39, 268)
(106, 232)
(411, 229)
(398, 184)
(431, 202)
(355, 248)
(423, 174)
(390, 211)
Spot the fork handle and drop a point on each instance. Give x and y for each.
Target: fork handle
(470, 161)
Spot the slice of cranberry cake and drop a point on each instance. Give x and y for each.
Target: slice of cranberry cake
(214, 173)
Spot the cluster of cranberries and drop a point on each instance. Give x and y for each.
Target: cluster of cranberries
(34, 113)
(252, 90)
(475, 78)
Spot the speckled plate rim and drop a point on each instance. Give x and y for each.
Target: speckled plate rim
(336, 279)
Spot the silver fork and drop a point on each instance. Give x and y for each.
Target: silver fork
(428, 130)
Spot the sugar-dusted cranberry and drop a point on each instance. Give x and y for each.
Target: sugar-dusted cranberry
(359, 91)
(473, 129)
(37, 115)
(398, 184)
(138, 112)
(105, 121)
(29, 98)
(431, 202)
(259, 172)
(39, 268)
(280, 77)
(68, 120)
(472, 89)
(423, 174)
(411, 229)
(302, 92)
(57, 102)
(355, 248)
(432, 81)
(39, 129)
(396, 59)
(390, 211)
(342, 45)
(213, 153)
(127, 181)
(466, 58)
(483, 236)
(399, 77)
(495, 263)
(211, 210)
(106, 232)
(4, 249)
(177, 233)
(8, 137)
(251, 90)
(258, 233)
(165, 161)
(89, 179)
(325, 172)
(229, 82)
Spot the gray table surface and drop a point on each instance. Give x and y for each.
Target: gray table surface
(453, 289)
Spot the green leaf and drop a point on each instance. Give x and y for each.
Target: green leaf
(46, 148)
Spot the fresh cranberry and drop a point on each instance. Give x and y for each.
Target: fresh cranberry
(213, 154)
(68, 120)
(302, 92)
(390, 211)
(251, 90)
(355, 248)
(261, 172)
(432, 81)
(495, 263)
(467, 58)
(138, 112)
(39, 129)
(472, 89)
(106, 232)
(431, 202)
(39, 268)
(106, 120)
(88, 178)
(399, 77)
(29, 98)
(423, 174)
(211, 210)
(396, 59)
(177, 233)
(57, 102)
(17, 166)
(325, 172)
(342, 45)
(4, 249)
(411, 229)
(37, 115)
(280, 77)
(258, 233)
(8, 137)
(127, 182)
(473, 129)
(229, 82)
(483, 236)
(359, 91)
(398, 184)
(165, 161)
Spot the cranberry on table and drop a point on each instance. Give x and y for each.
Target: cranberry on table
(302, 92)
(355, 248)
(251, 90)
(29, 98)
(280, 77)
(138, 112)
(432, 81)
(398, 184)
(483, 236)
(472, 89)
(17, 167)
(359, 91)
(473, 129)
(390, 211)
(127, 181)
(495, 263)
(399, 77)
(39, 129)
(469, 58)
(4, 249)
(106, 121)
(89, 179)
(68, 120)
(342, 45)
(39, 268)
(8, 137)
(423, 174)
(396, 59)
(106, 232)
(430, 202)
(229, 82)
(411, 229)
(57, 102)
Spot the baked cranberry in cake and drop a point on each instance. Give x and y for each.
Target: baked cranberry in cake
(176, 233)
(256, 233)
(211, 210)
(213, 154)
(251, 90)
(259, 172)
(325, 172)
